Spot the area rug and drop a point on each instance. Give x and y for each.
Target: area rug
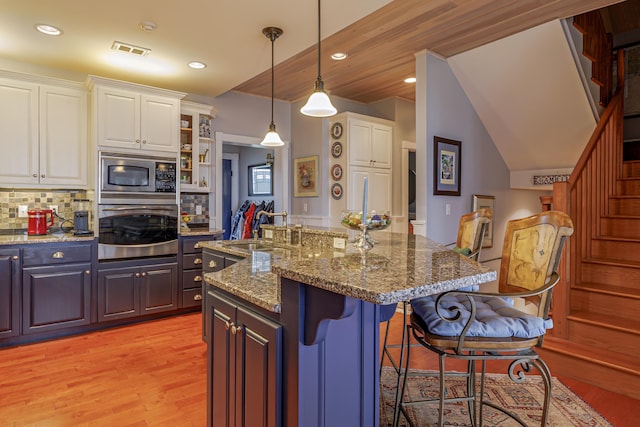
(567, 408)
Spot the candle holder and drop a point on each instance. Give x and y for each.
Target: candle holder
(373, 221)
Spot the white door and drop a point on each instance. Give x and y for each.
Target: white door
(63, 136)
(118, 118)
(159, 124)
(18, 132)
(359, 135)
(381, 141)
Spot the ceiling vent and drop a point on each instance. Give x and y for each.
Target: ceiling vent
(129, 48)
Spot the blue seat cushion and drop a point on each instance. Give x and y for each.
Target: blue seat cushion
(387, 311)
(495, 317)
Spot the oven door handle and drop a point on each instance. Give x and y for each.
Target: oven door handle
(135, 208)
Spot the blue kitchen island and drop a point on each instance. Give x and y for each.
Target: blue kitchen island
(294, 329)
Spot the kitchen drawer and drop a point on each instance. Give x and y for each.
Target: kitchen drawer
(212, 262)
(190, 246)
(192, 278)
(191, 297)
(191, 261)
(56, 254)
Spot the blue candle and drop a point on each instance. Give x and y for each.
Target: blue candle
(364, 201)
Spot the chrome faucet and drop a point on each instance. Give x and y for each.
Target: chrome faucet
(283, 214)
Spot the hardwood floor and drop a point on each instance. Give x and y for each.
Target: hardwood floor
(147, 374)
(152, 374)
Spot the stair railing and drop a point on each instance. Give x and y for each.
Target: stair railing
(585, 196)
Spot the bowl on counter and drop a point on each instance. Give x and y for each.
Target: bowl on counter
(375, 220)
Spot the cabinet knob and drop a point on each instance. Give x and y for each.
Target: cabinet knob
(144, 141)
(197, 297)
(35, 175)
(144, 274)
(197, 261)
(16, 258)
(87, 272)
(197, 279)
(137, 274)
(227, 325)
(212, 264)
(137, 141)
(42, 176)
(196, 246)
(236, 329)
(58, 255)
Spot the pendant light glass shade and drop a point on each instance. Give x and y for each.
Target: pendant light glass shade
(319, 104)
(272, 139)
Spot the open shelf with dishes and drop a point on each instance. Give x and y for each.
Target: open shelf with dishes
(196, 151)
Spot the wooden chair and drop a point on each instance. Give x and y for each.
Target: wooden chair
(471, 232)
(481, 326)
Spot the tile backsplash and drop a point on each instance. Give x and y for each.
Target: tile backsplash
(10, 200)
(189, 203)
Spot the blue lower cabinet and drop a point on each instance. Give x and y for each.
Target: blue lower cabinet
(244, 360)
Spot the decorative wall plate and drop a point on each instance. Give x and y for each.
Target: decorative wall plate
(336, 149)
(336, 172)
(336, 130)
(336, 191)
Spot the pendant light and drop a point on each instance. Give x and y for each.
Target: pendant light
(319, 104)
(272, 139)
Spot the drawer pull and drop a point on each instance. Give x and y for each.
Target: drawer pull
(87, 272)
(197, 261)
(58, 255)
(236, 329)
(227, 324)
(197, 297)
(197, 279)
(212, 264)
(196, 246)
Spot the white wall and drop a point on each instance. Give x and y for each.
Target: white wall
(449, 114)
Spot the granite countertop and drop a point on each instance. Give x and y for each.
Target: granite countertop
(400, 267)
(58, 237)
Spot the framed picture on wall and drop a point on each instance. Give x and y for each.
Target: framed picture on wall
(447, 158)
(479, 201)
(305, 177)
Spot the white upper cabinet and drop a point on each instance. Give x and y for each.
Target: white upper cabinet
(43, 134)
(135, 117)
(370, 144)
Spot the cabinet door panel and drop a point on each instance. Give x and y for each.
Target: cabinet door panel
(159, 123)
(359, 143)
(381, 141)
(220, 363)
(118, 295)
(63, 136)
(159, 288)
(9, 294)
(18, 132)
(258, 370)
(380, 190)
(55, 297)
(119, 118)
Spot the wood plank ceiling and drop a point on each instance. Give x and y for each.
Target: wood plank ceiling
(381, 46)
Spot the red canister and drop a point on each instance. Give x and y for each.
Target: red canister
(38, 222)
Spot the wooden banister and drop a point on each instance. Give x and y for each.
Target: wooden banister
(585, 196)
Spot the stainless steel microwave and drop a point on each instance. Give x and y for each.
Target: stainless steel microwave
(128, 179)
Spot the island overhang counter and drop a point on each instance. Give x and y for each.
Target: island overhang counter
(323, 308)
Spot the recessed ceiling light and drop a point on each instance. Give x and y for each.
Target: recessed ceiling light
(339, 56)
(147, 26)
(410, 80)
(129, 48)
(49, 30)
(197, 65)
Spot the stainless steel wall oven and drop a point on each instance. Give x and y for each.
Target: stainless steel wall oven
(131, 231)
